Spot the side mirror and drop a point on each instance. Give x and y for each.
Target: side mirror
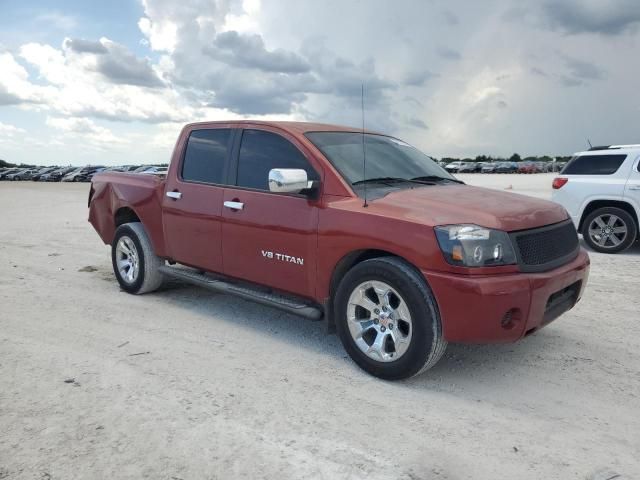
(288, 180)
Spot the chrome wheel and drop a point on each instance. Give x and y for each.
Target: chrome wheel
(608, 231)
(379, 321)
(127, 259)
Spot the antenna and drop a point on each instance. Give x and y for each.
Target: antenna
(364, 152)
(589, 142)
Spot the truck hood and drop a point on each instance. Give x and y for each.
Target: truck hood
(455, 204)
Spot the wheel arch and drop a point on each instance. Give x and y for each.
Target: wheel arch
(596, 204)
(124, 215)
(346, 263)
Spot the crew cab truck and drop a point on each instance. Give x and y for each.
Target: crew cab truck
(398, 256)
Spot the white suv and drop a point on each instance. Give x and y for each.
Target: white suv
(600, 189)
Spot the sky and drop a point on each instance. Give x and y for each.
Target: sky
(84, 82)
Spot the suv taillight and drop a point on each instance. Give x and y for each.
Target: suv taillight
(559, 182)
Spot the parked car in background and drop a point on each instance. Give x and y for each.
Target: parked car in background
(90, 172)
(73, 175)
(82, 174)
(453, 167)
(38, 174)
(506, 167)
(527, 167)
(543, 167)
(56, 175)
(469, 167)
(7, 171)
(130, 168)
(489, 168)
(600, 189)
(155, 171)
(24, 174)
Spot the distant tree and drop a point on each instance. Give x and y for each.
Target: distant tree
(4, 163)
(515, 158)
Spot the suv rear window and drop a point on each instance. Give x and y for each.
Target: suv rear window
(205, 156)
(593, 165)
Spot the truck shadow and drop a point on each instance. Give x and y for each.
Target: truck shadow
(469, 365)
(248, 315)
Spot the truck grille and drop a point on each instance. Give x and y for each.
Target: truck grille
(547, 247)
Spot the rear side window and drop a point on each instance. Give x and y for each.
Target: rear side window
(205, 156)
(594, 165)
(261, 151)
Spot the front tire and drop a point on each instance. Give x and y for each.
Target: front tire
(387, 319)
(135, 264)
(609, 230)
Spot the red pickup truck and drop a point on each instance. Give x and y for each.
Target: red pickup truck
(399, 258)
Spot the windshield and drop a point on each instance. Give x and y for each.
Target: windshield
(387, 157)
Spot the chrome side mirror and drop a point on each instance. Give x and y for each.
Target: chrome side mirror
(288, 180)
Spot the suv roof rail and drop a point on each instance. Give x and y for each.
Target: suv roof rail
(613, 147)
(634, 145)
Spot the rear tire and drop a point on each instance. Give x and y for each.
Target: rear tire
(135, 264)
(392, 335)
(609, 230)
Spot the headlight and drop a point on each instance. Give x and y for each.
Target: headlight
(474, 246)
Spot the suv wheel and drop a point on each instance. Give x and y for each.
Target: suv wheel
(609, 230)
(135, 264)
(387, 319)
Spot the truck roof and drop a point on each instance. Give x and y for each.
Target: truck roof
(294, 127)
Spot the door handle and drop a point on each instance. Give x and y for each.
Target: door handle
(634, 187)
(234, 205)
(174, 195)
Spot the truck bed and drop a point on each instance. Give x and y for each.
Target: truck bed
(117, 196)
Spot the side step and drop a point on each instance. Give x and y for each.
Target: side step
(247, 291)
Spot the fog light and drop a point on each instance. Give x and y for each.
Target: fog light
(510, 318)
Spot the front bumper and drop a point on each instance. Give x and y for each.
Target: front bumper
(504, 308)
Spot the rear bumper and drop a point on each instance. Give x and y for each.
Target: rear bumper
(476, 309)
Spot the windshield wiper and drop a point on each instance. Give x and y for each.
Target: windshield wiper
(386, 180)
(435, 178)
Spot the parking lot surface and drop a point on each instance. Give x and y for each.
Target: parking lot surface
(184, 384)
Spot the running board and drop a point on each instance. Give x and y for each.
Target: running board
(247, 291)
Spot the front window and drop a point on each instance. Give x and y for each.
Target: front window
(262, 151)
(387, 157)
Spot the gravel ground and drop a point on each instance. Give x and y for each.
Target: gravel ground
(183, 384)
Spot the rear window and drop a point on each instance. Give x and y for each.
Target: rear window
(205, 156)
(593, 165)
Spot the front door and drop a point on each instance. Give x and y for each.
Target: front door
(192, 205)
(269, 238)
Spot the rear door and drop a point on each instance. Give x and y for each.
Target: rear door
(192, 205)
(270, 238)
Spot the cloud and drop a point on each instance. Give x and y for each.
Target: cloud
(119, 65)
(237, 71)
(15, 87)
(585, 70)
(450, 18)
(417, 78)
(115, 62)
(610, 17)
(8, 130)
(448, 53)
(87, 130)
(248, 51)
(85, 84)
(417, 123)
(85, 46)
